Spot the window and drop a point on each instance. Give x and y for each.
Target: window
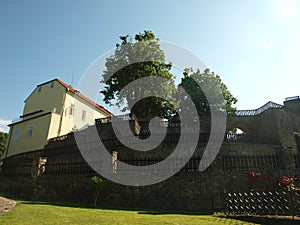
(83, 116)
(52, 85)
(72, 108)
(30, 131)
(16, 134)
(40, 89)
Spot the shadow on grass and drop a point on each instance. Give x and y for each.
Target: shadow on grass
(148, 211)
(265, 220)
(178, 212)
(104, 207)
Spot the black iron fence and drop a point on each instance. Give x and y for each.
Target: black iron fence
(171, 137)
(68, 167)
(79, 166)
(182, 164)
(20, 164)
(250, 162)
(59, 162)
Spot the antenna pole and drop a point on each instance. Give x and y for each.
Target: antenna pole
(72, 78)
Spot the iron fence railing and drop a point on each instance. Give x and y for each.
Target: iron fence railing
(59, 162)
(292, 98)
(125, 117)
(62, 137)
(250, 162)
(56, 166)
(171, 137)
(251, 112)
(255, 112)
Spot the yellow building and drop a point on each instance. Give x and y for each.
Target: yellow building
(52, 109)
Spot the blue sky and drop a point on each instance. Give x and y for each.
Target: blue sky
(252, 44)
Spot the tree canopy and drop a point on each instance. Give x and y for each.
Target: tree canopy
(132, 60)
(210, 81)
(142, 57)
(3, 139)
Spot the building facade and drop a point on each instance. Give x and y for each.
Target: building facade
(52, 109)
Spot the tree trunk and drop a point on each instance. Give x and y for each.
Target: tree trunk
(96, 199)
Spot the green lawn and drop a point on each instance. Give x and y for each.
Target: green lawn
(33, 213)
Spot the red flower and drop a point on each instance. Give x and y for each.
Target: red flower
(251, 174)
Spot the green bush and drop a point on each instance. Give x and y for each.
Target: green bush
(97, 184)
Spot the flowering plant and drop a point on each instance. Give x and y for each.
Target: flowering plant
(258, 176)
(260, 181)
(253, 174)
(289, 182)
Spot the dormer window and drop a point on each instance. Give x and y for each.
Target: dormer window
(40, 89)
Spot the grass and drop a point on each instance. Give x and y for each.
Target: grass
(32, 213)
(40, 213)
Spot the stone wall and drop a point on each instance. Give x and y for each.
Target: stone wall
(65, 176)
(181, 192)
(187, 190)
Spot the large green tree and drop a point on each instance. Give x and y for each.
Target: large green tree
(134, 59)
(3, 139)
(213, 86)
